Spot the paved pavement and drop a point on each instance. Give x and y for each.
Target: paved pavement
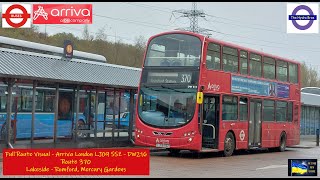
(242, 164)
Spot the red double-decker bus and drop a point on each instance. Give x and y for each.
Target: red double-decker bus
(200, 94)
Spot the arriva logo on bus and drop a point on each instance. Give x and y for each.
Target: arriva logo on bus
(214, 87)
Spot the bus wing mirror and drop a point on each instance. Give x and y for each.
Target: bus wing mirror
(200, 97)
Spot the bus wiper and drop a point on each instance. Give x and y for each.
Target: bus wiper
(163, 86)
(148, 87)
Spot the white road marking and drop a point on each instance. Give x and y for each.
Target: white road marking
(273, 166)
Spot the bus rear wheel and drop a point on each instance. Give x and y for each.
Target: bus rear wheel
(282, 146)
(229, 144)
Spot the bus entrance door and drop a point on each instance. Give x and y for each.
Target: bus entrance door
(210, 122)
(255, 123)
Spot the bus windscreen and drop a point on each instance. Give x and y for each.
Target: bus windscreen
(166, 107)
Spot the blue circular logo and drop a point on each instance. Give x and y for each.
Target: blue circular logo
(295, 11)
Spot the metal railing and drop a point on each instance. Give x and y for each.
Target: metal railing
(213, 129)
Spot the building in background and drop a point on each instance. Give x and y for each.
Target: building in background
(310, 110)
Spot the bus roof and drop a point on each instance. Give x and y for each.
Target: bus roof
(227, 44)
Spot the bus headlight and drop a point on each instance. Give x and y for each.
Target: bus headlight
(188, 133)
(190, 139)
(139, 131)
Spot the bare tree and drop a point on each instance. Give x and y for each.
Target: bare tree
(309, 76)
(116, 51)
(140, 44)
(304, 75)
(101, 35)
(86, 34)
(313, 77)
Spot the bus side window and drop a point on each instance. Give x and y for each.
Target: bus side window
(3, 102)
(243, 62)
(268, 110)
(230, 108)
(269, 68)
(255, 65)
(230, 59)
(293, 73)
(281, 111)
(48, 100)
(209, 61)
(213, 56)
(243, 109)
(290, 111)
(282, 70)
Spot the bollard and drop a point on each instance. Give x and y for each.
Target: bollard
(317, 137)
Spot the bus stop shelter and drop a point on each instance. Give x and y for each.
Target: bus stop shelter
(48, 99)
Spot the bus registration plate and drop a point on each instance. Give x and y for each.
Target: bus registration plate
(162, 143)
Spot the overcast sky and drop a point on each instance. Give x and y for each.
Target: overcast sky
(260, 25)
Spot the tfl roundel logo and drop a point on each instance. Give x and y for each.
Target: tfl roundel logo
(16, 15)
(302, 18)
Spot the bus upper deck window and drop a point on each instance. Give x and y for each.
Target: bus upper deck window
(174, 50)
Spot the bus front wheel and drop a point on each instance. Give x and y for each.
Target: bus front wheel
(174, 151)
(229, 145)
